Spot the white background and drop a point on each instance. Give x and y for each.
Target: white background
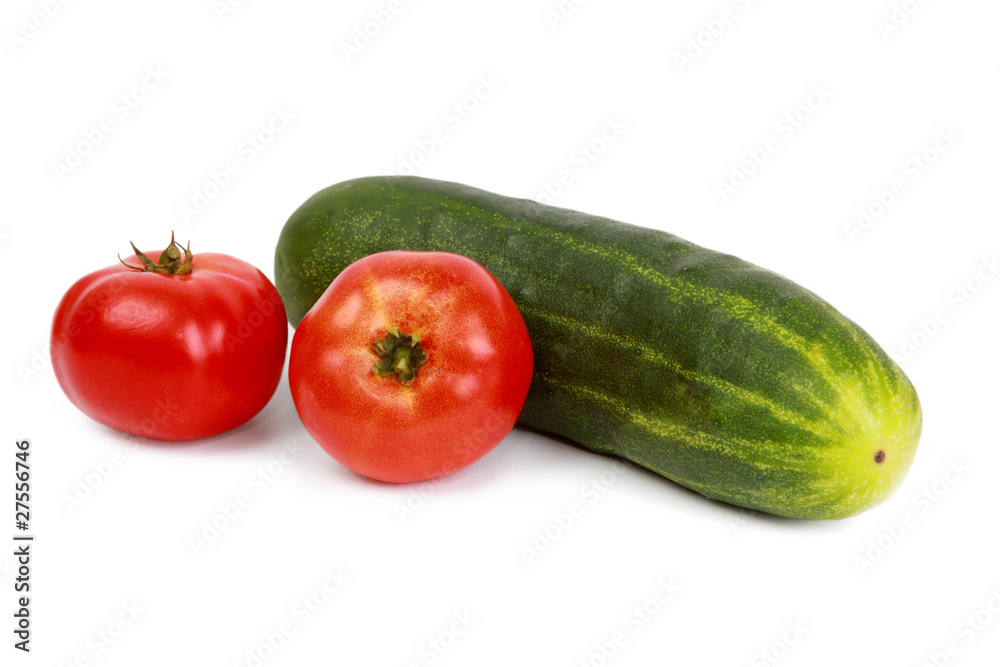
(866, 590)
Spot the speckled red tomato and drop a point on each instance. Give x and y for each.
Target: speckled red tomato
(184, 351)
(412, 365)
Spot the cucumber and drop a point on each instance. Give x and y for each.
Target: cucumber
(722, 376)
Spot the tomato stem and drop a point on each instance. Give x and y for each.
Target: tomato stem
(399, 354)
(170, 260)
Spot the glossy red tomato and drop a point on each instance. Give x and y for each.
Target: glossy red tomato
(412, 365)
(168, 355)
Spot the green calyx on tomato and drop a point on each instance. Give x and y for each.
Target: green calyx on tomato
(399, 354)
(170, 260)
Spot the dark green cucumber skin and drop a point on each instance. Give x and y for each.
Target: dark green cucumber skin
(720, 375)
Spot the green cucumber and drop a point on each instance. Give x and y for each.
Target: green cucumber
(722, 376)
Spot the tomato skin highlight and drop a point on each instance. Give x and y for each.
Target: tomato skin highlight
(464, 399)
(171, 357)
